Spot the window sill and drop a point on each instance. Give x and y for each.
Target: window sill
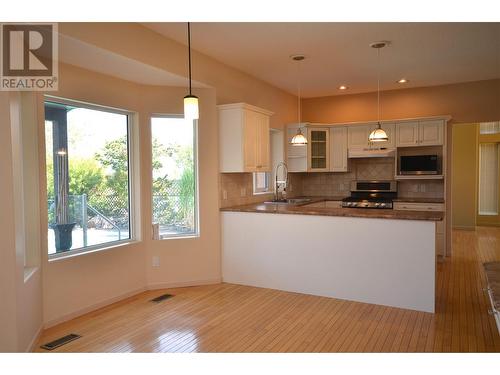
(80, 252)
(179, 237)
(263, 192)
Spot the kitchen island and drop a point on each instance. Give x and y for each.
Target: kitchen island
(378, 256)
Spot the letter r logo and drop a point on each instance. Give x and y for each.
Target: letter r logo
(27, 50)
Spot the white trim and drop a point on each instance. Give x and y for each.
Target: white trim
(268, 189)
(34, 340)
(79, 103)
(183, 284)
(197, 229)
(90, 250)
(370, 122)
(179, 236)
(250, 107)
(133, 154)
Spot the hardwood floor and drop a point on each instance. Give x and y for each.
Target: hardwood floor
(234, 318)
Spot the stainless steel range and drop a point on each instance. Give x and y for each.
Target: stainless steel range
(371, 194)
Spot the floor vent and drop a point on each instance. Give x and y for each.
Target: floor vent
(60, 342)
(163, 297)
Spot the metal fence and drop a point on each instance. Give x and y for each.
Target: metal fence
(169, 207)
(87, 216)
(105, 209)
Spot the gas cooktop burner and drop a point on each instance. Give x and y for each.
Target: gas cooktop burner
(371, 194)
(366, 203)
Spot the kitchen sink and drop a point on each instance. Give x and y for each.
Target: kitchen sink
(290, 201)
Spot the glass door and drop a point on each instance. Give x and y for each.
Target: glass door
(318, 150)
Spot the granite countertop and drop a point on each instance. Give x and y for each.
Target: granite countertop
(302, 209)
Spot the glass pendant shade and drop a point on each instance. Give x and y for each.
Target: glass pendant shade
(298, 139)
(378, 135)
(191, 111)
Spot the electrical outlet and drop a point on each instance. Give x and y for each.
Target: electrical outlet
(224, 194)
(156, 261)
(243, 192)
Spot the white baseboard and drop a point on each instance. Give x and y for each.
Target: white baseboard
(92, 307)
(109, 301)
(182, 284)
(33, 342)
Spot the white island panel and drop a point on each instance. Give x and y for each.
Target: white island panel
(380, 261)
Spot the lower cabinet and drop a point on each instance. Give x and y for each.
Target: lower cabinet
(440, 225)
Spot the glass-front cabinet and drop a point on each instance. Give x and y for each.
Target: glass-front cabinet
(318, 150)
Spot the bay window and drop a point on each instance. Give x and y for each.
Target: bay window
(88, 176)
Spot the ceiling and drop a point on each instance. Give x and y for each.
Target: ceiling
(75, 52)
(337, 54)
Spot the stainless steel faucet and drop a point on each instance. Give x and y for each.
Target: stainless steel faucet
(283, 182)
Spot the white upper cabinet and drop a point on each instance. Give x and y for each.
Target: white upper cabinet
(318, 149)
(407, 134)
(431, 132)
(420, 133)
(244, 138)
(390, 130)
(338, 149)
(357, 136)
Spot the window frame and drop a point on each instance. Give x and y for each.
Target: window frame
(133, 170)
(196, 232)
(259, 191)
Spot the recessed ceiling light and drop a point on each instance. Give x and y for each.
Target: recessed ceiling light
(298, 57)
(343, 87)
(403, 80)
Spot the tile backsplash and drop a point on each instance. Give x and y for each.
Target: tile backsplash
(237, 188)
(338, 184)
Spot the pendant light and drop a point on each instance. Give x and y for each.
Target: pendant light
(298, 139)
(379, 134)
(191, 111)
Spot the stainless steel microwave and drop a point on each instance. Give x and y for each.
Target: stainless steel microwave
(419, 164)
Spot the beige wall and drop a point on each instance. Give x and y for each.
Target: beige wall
(463, 185)
(20, 296)
(101, 277)
(8, 284)
(465, 102)
(80, 283)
